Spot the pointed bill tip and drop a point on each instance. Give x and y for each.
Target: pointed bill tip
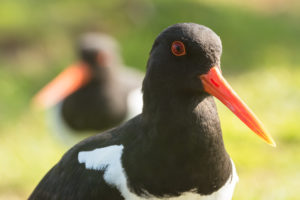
(267, 138)
(273, 144)
(258, 128)
(270, 141)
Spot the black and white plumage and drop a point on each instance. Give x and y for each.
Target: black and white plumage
(174, 149)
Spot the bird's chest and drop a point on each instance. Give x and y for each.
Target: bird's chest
(178, 172)
(162, 183)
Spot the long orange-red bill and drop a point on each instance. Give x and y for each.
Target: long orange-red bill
(216, 85)
(67, 82)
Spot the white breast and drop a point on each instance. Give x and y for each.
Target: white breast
(60, 129)
(109, 160)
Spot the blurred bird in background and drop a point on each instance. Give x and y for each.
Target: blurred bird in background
(94, 94)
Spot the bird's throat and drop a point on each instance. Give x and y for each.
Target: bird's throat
(184, 137)
(190, 120)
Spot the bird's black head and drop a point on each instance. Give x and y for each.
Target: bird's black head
(99, 60)
(179, 55)
(184, 68)
(98, 50)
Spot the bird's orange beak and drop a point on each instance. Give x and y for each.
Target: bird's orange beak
(67, 82)
(214, 84)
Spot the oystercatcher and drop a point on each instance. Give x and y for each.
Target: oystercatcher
(174, 149)
(94, 94)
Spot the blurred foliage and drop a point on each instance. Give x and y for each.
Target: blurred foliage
(260, 43)
(252, 37)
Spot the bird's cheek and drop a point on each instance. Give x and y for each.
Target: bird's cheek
(194, 85)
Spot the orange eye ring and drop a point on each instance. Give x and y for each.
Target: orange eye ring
(178, 48)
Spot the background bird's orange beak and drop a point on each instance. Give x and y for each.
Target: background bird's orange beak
(214, 84)
(67, 82)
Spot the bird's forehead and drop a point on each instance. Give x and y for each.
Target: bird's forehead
(191, 32)
(98, 42)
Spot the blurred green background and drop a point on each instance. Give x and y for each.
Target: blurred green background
(261, 45)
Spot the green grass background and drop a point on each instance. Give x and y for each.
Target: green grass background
(261, 45)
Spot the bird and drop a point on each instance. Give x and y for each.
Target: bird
(174, 149)
(94, 94)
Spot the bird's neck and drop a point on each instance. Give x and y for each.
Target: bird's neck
(186, 123)
(183, 116)
(102, 75)
(182, 134)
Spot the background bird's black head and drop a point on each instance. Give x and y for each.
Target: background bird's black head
(99, 50)
(167, 72)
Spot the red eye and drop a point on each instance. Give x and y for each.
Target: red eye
(178, 48)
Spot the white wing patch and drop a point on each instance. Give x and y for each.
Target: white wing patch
(109, 160)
